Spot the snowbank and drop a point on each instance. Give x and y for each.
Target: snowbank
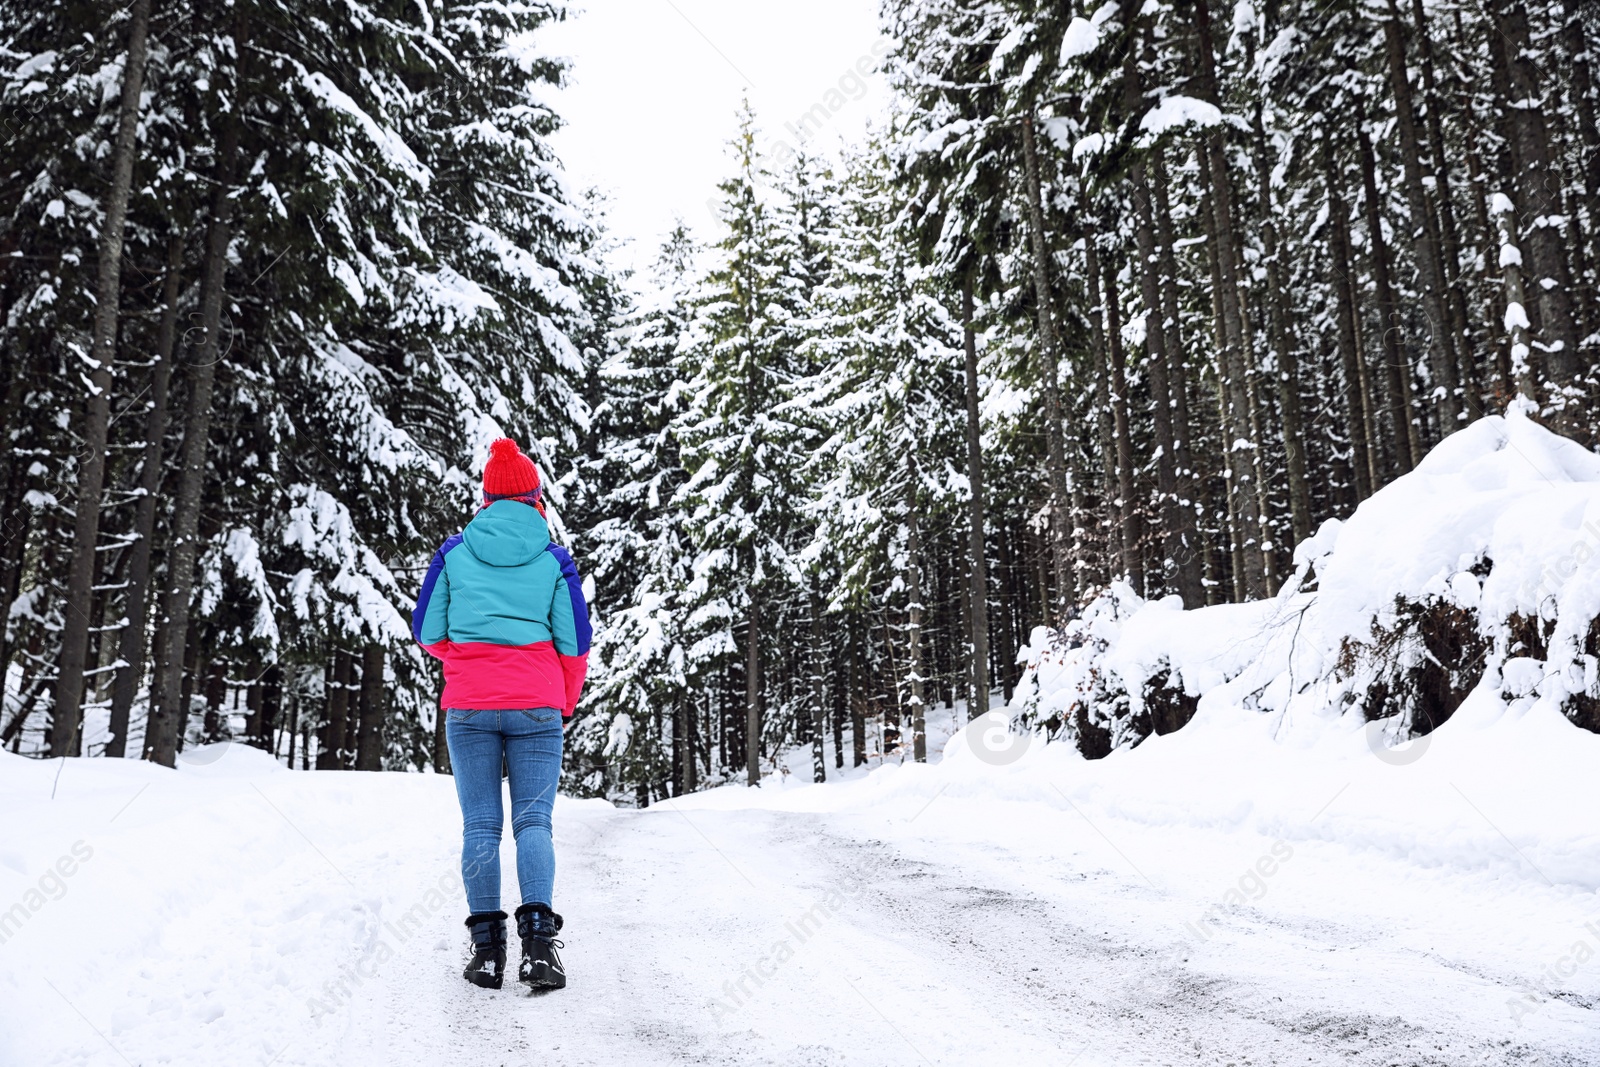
(233, 912)
(1469, 582)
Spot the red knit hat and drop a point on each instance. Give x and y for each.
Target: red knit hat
(509, 473)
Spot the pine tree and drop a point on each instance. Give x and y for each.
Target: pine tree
(892, 391)
(743, 488)
(637, 548)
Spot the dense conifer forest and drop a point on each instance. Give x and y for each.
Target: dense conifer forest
(1133, 293)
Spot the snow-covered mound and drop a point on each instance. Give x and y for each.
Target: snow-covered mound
(1470, 582)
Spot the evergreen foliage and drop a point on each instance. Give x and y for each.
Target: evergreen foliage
(1221, 272)
(400, 273)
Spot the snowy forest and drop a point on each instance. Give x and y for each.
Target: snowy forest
(1129, 296)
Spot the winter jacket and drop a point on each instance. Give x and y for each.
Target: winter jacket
(503, 609)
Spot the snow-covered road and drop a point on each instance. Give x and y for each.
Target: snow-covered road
(238, 914)
(961, 942)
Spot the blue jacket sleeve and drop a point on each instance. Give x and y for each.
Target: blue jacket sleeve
(569, 628)
(569, 612)
(430, 620)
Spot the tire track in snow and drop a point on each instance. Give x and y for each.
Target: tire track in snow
(1143, 1006)
(946, 953)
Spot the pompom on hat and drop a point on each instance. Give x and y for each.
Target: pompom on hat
(509, 474)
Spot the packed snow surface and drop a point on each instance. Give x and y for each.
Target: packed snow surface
(1214, 896)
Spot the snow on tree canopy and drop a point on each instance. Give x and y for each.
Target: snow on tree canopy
(1175, 111)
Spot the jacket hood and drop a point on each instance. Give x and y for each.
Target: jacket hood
(507, 533)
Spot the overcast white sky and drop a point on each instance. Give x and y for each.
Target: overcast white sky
(656, 84)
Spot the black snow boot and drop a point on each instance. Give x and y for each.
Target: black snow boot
(541, 968)
(487, 967)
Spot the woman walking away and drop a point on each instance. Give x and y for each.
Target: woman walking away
(502, 608)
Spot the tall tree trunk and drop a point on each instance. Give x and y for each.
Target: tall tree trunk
(1042, 558)
(1241, 446)
(1504, 159)
(1177, 522)
(13, 558)
(167, 714)
(960, 641)
(691, 744)
(1489, 238)
(1103, 292)
(944, 651)
(369, 746)
(1181, 563)
(1107, 556)
(216, 694)
(819, 690)
(1084, 578)
(725, 683)
(1258, 415)
(675, 779)
(1236, 563)
(272, 710)
(191, 675)
(889, 677)
(331, 755)
(1449, 231)
(1007, 651)
(1192, 561)
(1397, 364)
(858, 682)
(134, 638)
(752, 681)
(294, 726)
(252, 715)
(1219, 367)
(1359, 416)
(68, 721)
(1425, 241)
(840, 693)
(976, 511)
(1516, 316)
(919, 738)
(1578, 43)
(350, 746)
(1539, 184)
(1287, 373)
(1051, 370)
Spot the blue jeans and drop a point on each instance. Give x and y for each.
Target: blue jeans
(529, 743)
